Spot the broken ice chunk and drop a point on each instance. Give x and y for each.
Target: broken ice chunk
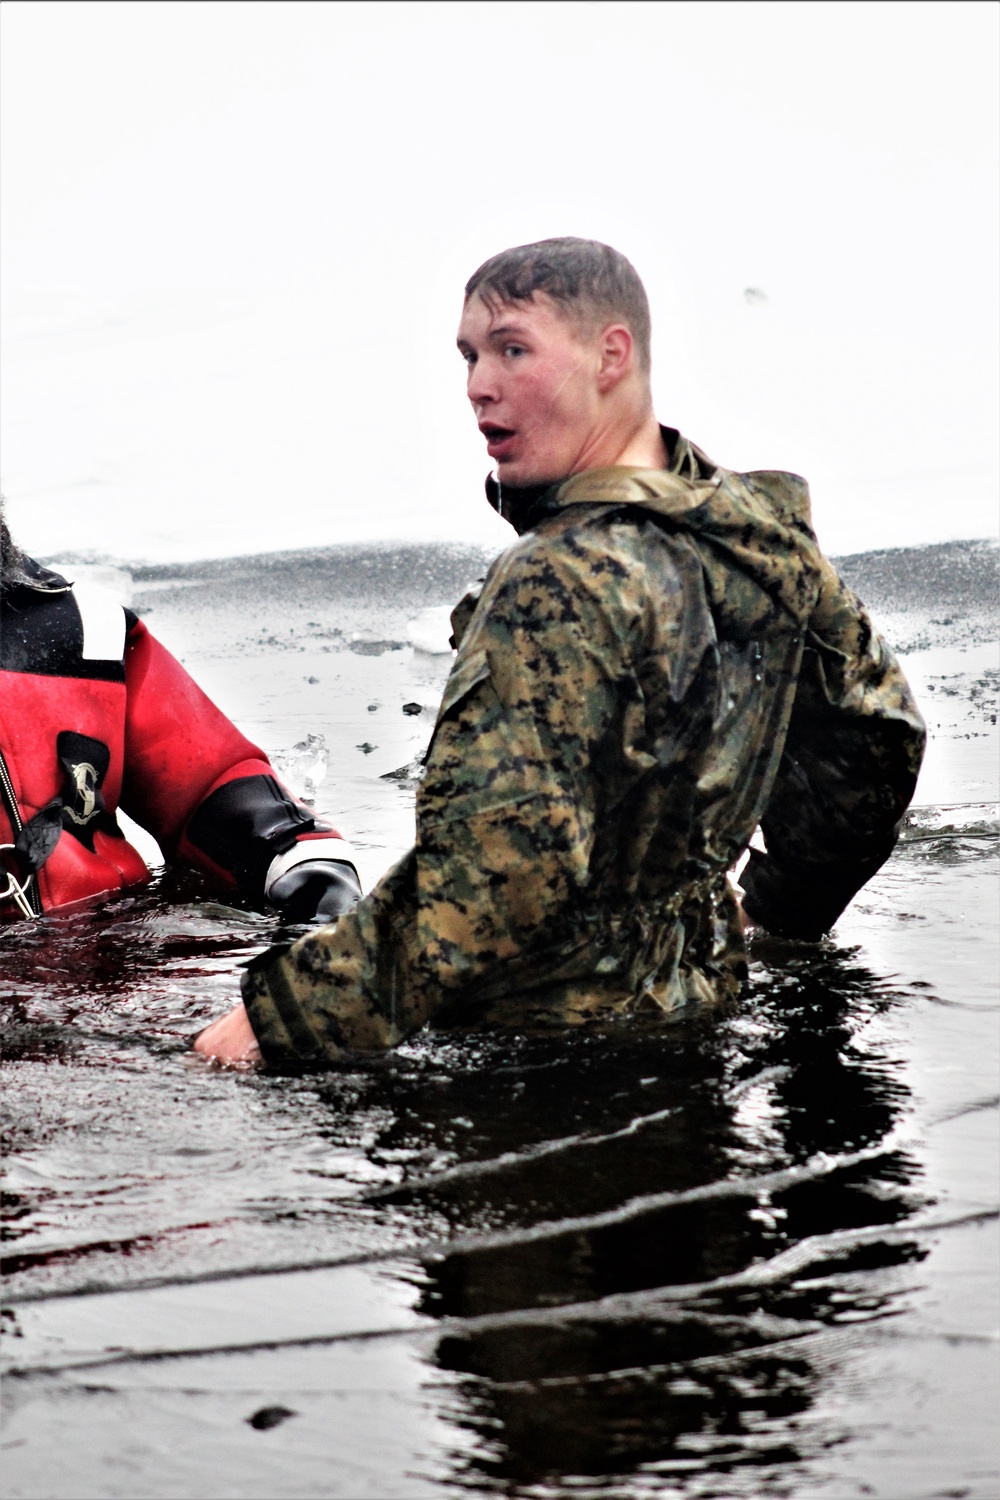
(303, 767)
(430, 630)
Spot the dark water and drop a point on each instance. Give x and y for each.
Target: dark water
(751, 1253)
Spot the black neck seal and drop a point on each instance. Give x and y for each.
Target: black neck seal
(523, 508)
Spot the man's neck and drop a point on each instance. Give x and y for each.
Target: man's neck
(640, 446)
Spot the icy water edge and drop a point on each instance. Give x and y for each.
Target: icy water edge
(751, 1253)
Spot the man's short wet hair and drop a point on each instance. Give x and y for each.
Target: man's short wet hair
(590, 282)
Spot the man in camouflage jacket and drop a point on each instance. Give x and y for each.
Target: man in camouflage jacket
(662, 662)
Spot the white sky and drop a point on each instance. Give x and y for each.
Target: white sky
(234, 238)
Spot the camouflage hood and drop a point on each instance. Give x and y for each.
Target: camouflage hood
(753, 531)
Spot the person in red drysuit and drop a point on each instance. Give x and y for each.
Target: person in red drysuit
(95, 715)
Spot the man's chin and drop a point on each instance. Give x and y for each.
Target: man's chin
(521, 474)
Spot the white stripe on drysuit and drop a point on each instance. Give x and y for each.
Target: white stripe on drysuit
(103, 621)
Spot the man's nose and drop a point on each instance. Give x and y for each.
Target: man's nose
(482, 386)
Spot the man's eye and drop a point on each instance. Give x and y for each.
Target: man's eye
(514, 351)
(469, 357)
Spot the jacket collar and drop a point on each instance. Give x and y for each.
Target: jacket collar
(524, 507)
(31, 575)
(38, 577)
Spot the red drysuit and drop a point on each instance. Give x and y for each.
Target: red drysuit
(95, 715)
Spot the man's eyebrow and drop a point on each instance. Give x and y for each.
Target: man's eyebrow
(496, 333)
(504, 329)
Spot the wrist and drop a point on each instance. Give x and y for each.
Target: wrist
(330, 847)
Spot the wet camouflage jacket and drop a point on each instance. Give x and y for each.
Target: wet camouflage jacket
(663, 661)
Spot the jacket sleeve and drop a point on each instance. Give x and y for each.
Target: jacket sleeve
(847, 775)
(506, 818)
(208, 796)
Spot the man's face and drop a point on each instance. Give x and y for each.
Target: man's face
(533, 385)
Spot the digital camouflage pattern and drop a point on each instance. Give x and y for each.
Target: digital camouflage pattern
(663, 661)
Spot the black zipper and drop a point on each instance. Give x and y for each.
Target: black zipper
(13, 812)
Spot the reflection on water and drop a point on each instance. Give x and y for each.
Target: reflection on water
(672, 1335)
(642, 1258)
(684, 1326)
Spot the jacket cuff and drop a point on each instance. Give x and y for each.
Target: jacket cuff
(284, 1036)
(800, 904)
(328, 847)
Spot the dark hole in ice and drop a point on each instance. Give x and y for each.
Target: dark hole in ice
(269, 1416)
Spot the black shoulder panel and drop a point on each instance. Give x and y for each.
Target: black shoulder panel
(41, 632)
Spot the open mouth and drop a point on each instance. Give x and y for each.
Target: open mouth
(497, 438)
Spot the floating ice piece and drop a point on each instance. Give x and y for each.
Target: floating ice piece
(951, 820)
(430, 630)
(409, 775)
(303, 767)
(362, 646)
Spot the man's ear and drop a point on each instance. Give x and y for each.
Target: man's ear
(617, 356)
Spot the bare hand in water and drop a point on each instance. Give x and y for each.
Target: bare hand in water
(230, 1039)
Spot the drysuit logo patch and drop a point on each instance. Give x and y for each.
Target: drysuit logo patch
(85, 764)
(85, 801)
